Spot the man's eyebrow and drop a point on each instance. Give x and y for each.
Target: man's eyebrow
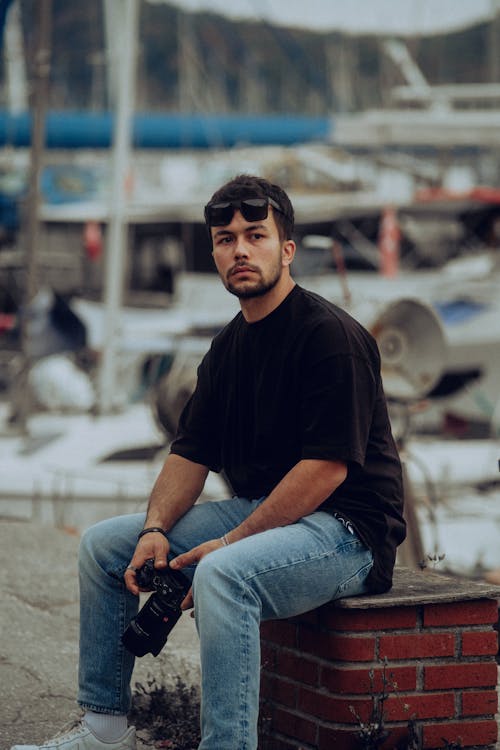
(222, 233)
(256, 226)
(249, 228)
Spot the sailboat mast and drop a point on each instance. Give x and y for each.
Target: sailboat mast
(39, 108)
(125, 26)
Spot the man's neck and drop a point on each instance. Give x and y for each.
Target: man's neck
(257, 308)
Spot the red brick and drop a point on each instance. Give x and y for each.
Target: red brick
(399, 736)
(342, 739)
(279, 691)
(297, 667)
(476, 612)
(443, 676)
(416, 646)
(479, 643)
(281, 632)
(480, 703)
(292, 725)
(266, 629)
(468, 733)
(273, 743)
(388, 618)
(423, 706)
(333, 646)
(267, 655)
(307, 618)
(334, 708)
(354, 680)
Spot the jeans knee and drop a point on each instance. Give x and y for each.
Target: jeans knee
(205, 572)
(87, 546)
(99, 548)
(218, 581)
(213, 581)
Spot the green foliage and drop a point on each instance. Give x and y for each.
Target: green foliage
(229, 61)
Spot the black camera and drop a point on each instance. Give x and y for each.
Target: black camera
(148, 631)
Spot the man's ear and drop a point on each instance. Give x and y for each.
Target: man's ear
(288, 252)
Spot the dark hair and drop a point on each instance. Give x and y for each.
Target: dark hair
(249, 186)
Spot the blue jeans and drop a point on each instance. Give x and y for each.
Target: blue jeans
(275, 574)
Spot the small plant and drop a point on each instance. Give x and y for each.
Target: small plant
(169, 715)
(372, 733)
(411, 742)
(435, 559)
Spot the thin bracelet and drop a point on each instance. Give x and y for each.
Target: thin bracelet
(150, 530)
(224, 540)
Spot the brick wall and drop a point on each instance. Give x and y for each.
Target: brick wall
(430, 645)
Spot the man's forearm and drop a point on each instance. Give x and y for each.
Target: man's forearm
(299, 493)
(176, 489)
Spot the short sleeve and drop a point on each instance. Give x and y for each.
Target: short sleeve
(339, 391)
(197, 437)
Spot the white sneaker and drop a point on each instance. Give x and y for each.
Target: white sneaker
(81, 738)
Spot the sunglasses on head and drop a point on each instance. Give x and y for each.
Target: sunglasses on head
(252, 209)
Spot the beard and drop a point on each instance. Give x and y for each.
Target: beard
(257, 288)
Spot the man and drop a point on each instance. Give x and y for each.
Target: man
(289, 403)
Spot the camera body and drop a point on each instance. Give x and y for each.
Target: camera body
(148, 631)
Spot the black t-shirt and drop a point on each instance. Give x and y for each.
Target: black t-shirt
(302, 383)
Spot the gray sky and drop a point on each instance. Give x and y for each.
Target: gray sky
(392, 16)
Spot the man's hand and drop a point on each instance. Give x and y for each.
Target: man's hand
(153, 545)
(192, 557)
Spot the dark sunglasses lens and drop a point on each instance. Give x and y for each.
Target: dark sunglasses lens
(254, 209)
(220, 214)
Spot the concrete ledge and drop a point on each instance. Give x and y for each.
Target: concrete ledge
(422, 587)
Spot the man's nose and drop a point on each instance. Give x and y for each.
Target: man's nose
(241, 248)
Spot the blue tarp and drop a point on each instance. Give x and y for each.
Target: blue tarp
(459, 311)
(152, 130)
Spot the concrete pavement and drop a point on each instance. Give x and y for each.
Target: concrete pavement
(39, 634)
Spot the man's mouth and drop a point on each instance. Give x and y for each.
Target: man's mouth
(241, 270)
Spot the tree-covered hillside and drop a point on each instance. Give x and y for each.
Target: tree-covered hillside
(201, 62)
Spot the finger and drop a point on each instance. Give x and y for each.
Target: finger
(130, 579)
(161, 561)
(130, 576)
(155, 549)
(187, 602)
(191, 557)
(179, 562)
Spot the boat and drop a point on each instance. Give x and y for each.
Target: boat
(72, 470)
